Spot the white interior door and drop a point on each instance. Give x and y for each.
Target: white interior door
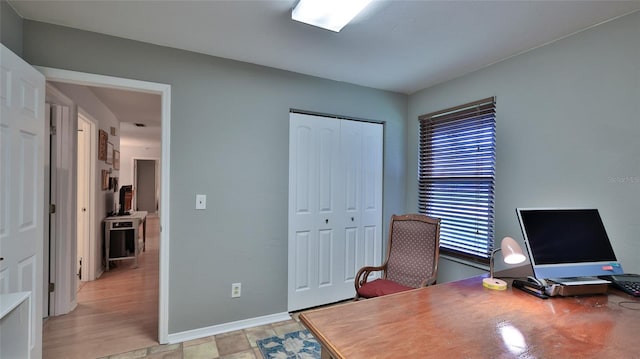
(63, 195)
(22, 186)
(330, 233)
(86, 183)
(83, 208)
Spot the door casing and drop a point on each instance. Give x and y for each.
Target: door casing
(164, 90)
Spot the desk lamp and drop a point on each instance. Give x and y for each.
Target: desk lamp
(512, 254)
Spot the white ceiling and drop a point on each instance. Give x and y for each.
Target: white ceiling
(133, 108)
(395, 45)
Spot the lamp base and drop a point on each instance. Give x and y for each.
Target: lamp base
(494, 283)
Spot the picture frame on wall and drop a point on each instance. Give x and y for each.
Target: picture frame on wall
(109, 159)
(116, 159)
(103, 137)
(105, 180)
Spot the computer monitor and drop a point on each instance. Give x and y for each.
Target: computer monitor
(124, 206)
(564, 243)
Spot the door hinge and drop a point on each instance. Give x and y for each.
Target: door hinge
(52, 287)
(52, 208)
(52, 126)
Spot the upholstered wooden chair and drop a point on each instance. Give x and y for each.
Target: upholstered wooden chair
(412, 257)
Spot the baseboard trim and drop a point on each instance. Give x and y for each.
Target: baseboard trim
(227, 327)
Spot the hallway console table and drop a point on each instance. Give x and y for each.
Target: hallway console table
(123, 225)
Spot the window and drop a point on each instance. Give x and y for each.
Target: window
(457, 176)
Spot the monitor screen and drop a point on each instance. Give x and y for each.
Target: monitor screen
(567, 243)
(125, 206)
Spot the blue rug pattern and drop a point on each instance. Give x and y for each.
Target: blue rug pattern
(294, 345)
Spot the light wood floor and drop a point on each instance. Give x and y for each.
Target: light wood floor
(116, 313)
(117, 318)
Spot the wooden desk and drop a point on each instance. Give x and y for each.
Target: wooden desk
(464, 320)
(15, 324)
(129, 222)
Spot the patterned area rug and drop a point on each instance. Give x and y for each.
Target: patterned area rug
(294, 345)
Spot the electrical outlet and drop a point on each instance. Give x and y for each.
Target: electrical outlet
(236, 289)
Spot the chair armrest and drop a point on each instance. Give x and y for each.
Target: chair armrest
(363, 274)
(429, 281)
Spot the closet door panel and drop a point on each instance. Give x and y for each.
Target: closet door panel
(335, 214)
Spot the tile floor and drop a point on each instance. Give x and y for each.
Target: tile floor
(240, 344)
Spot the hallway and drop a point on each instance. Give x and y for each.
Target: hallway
(116, 313)
(117, 317)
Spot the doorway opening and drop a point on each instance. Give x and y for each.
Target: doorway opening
(147, 181)
(78, 78)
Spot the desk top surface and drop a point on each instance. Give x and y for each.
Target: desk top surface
(10, 301)
(464, 320)
(132, 215)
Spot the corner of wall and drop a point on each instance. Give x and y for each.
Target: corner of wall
(10, 28)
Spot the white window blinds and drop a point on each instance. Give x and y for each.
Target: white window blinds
(457, 176)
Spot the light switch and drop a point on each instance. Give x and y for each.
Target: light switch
(201, 201)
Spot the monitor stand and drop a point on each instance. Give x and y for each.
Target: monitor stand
(568, 287)
(578, 281)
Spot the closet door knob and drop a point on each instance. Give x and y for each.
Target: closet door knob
(326, 221)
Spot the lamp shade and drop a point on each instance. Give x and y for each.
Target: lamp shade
(511, 254)
(511, 251)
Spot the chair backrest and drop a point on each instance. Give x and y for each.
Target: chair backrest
(412, 256)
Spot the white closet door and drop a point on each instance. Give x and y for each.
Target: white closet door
(361, 153)
(313, 187)
(329, 233)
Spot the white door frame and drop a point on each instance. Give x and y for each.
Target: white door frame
(87, 79)
(65, 204)
(59, 269)
(48, 299)
(89, 243)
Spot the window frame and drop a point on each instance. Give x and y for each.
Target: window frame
(474, 174)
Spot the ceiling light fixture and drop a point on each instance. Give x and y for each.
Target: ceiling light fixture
(328, 14)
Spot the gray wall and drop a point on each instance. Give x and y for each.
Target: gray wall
(229, 140)
(568, 131)
(10, 28)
